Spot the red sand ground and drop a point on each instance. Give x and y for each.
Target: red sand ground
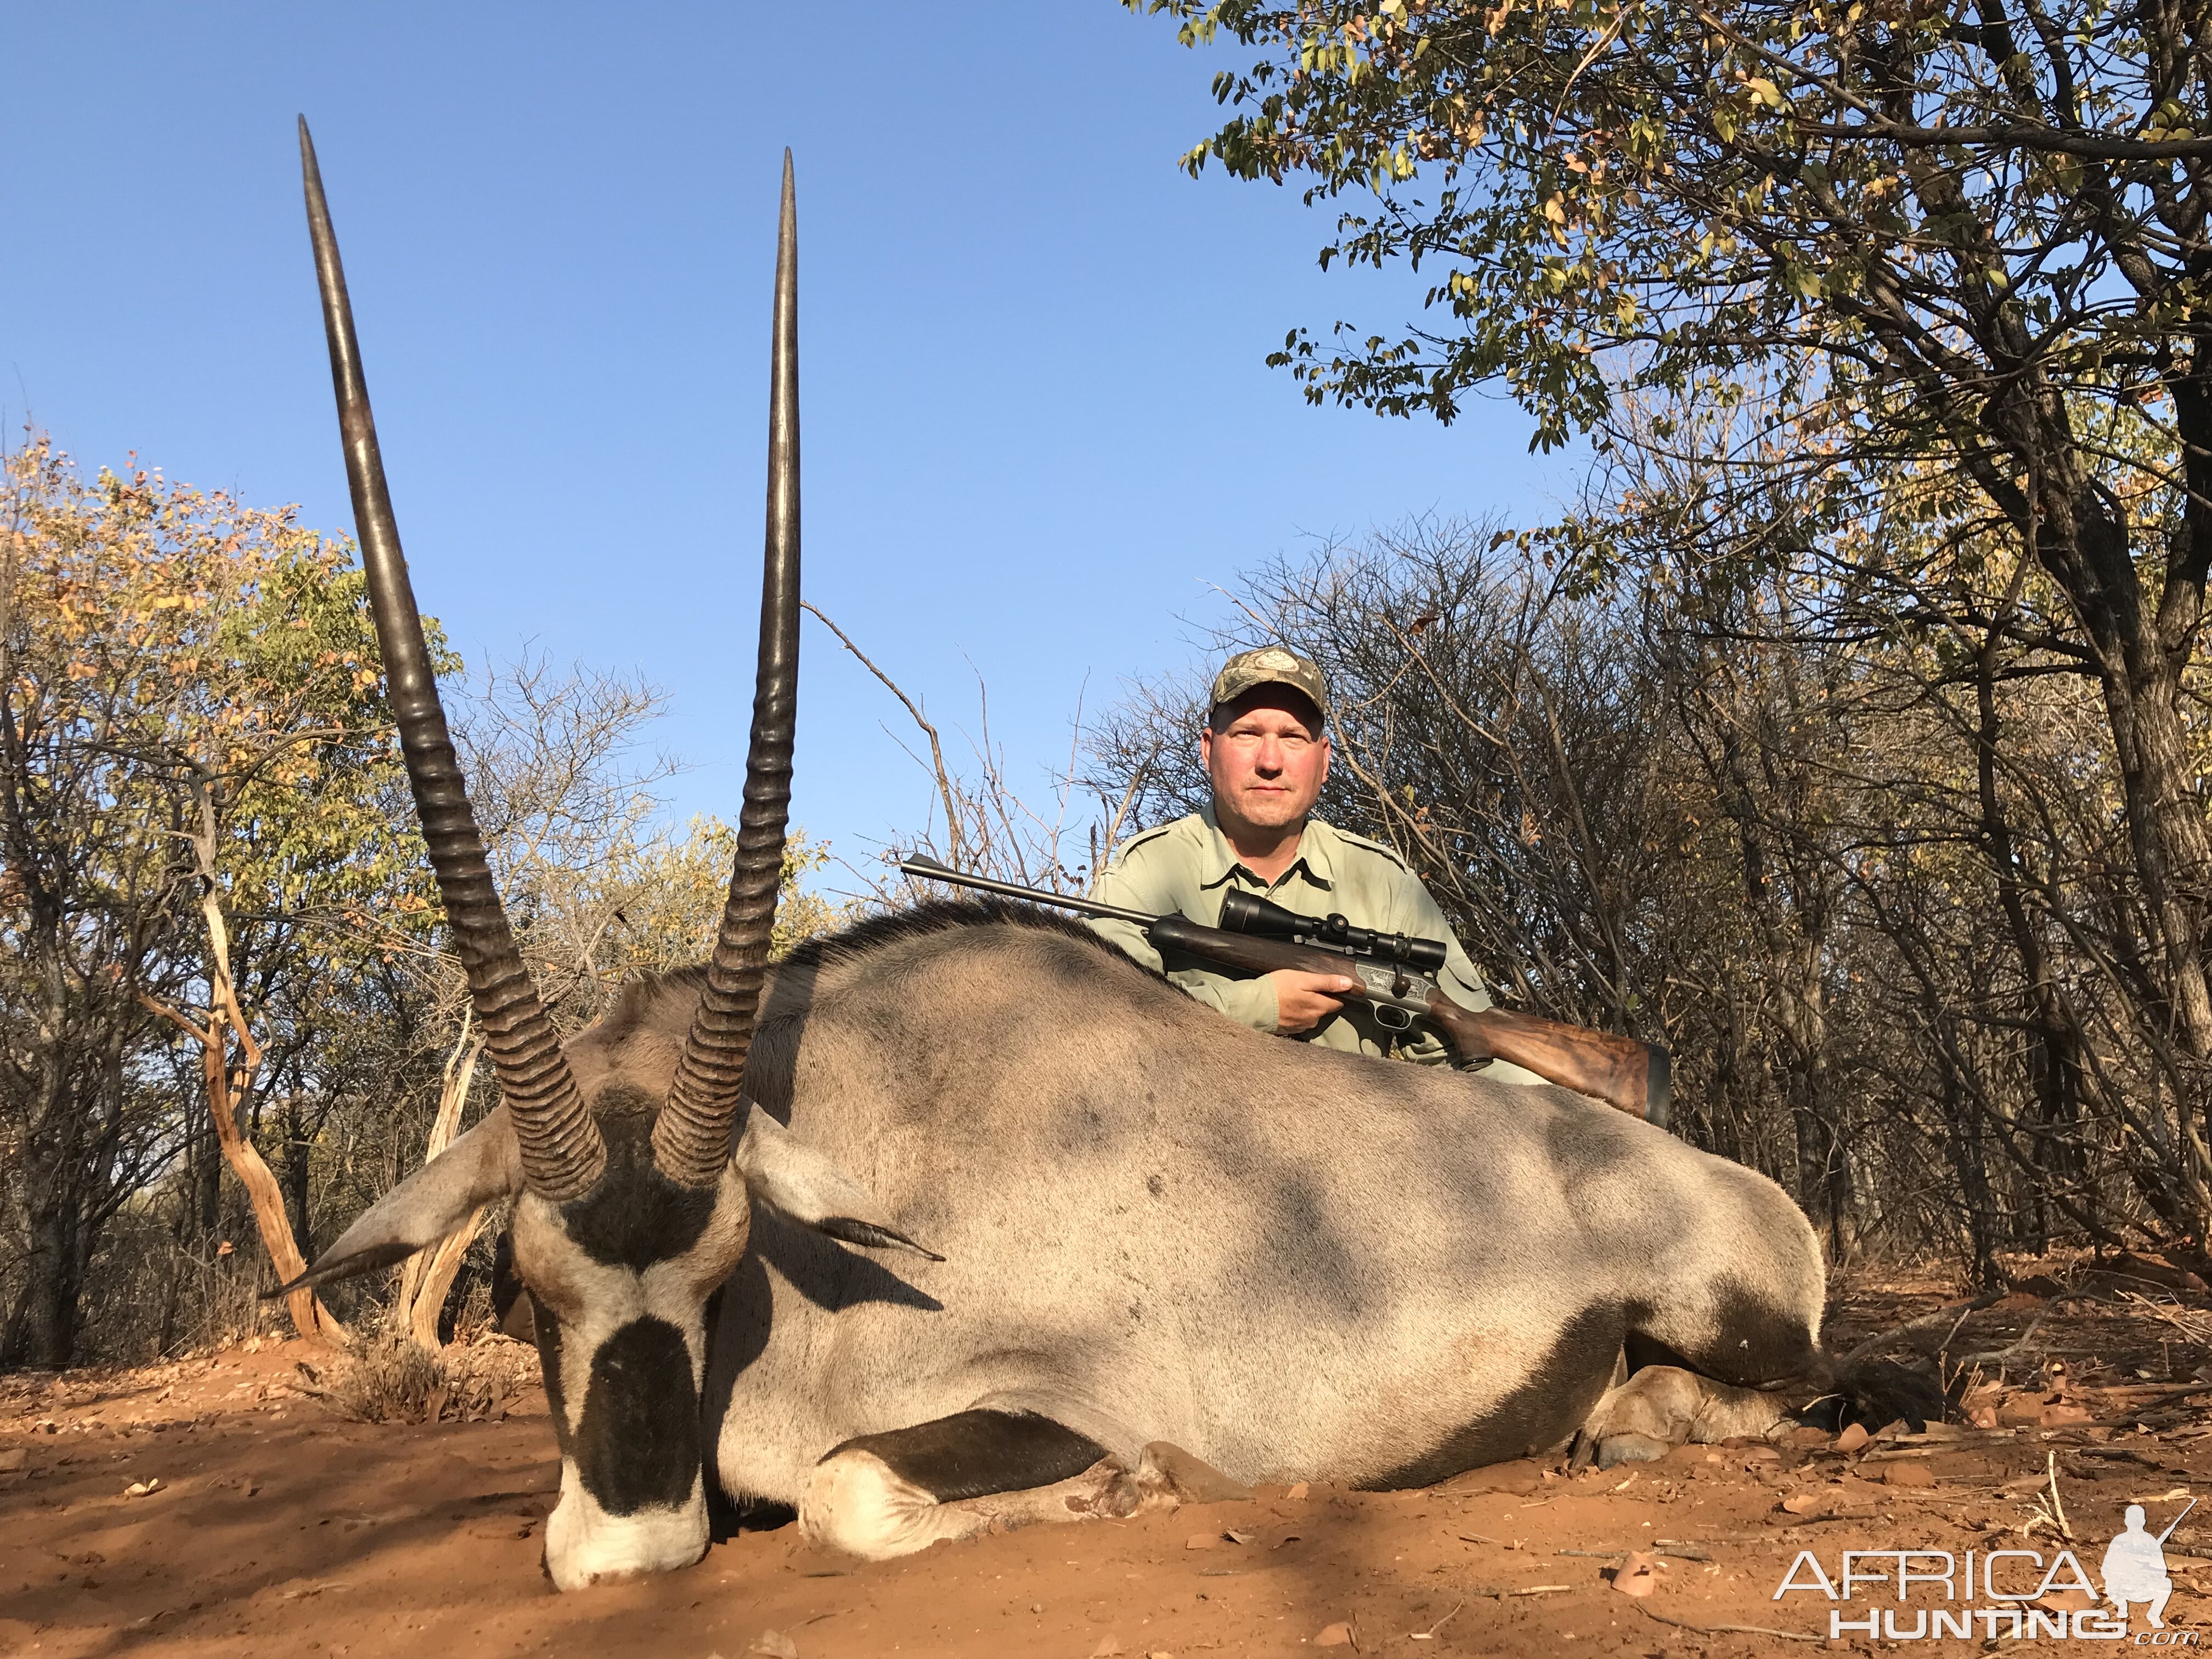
(277, 1529)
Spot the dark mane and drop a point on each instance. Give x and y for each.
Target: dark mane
(940, 916)
(638, 996)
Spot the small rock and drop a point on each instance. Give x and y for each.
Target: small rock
(1036, 1607)
(1199, 1541)
(144, 1488)
(1805, 1503)
(1337, 1635)
(1236, 1537)
(1639, 1575)
(1852, 1438)
(1297, 1489)
(776, 1645)
(12, 1459)
(1908, 1474)
(1109, 1648)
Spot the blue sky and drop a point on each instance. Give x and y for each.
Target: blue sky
(1037, 423)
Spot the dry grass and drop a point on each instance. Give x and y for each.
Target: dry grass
(389, 1379)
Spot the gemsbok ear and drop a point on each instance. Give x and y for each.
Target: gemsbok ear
(785, 1174)
(483, 1164)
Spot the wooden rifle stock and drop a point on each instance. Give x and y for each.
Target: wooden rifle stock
(1619, 1071)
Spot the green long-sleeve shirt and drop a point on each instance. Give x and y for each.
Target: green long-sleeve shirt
(1186, 867)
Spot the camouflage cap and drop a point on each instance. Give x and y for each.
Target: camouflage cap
(1270, 665)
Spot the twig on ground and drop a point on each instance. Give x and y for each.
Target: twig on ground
(2158, 1394)
(2193, 1327)
(1741, 1630)
(1884, 1339)
(2117, 1454)
(1429, 1634)
(2049, 1511)
(2017, 1344)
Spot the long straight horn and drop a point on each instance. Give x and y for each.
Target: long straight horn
(562, 1155)
(691, 1138)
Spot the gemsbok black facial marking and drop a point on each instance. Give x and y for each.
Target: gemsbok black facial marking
(637, 1443)
(635, 1216)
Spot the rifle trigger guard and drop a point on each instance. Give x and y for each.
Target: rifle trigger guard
(1391, 1017)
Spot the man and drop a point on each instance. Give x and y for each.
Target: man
(1265, 747)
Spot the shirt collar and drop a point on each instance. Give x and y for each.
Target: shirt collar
(1221, 861)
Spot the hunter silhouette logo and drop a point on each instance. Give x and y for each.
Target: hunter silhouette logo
(2134, 1566)
(2010, 1594)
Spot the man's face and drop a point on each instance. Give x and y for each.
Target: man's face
(1266, 757)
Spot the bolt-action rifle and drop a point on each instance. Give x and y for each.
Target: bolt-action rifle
(1397, 979)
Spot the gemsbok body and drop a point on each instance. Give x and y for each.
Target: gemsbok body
(960, 1218)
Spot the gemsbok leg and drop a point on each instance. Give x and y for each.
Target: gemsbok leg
(886, 1495)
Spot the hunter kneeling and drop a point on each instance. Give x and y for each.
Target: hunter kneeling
(1265, 747)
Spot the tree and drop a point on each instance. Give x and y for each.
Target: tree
(220, 946)
(278, 746)
(1971, 240)
(194, 771)
(1868, 881)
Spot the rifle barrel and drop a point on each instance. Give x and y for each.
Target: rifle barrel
(2177, 1521)
(929, 870)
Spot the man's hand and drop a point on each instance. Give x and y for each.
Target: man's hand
(1303, 1000)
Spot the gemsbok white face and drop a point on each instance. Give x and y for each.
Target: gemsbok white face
(629, 1208)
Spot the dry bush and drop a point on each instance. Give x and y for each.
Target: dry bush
(389, 1379)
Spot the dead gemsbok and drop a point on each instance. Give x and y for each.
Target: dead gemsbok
(1173, 1249)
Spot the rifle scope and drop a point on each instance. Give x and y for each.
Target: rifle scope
(1243, 914)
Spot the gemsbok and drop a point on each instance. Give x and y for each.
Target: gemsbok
(960, 1218)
